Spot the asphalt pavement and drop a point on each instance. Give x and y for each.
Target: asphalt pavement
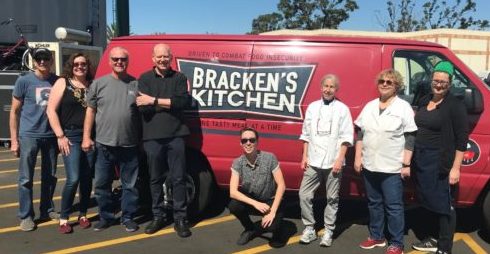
(216, 231)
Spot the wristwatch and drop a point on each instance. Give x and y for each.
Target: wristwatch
(405, 165)
(155, 102)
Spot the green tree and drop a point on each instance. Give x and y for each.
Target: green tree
(111, 31)
(305, 14)
(435, 14)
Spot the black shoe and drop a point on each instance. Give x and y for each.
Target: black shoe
(277, 240)
(246, 237)
(428, 244)
(155, 225)
(131, 226)
(182, 229)
(102, 224)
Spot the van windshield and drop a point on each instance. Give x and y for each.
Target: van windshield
(417, 66)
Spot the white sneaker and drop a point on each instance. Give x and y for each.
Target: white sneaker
(326, 239)
(308, 236)
(27, 224)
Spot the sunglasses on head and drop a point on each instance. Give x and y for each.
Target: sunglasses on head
(117, 59)
(383, 81)
(245, 140)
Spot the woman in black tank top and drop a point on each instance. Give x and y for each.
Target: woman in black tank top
(66, 113)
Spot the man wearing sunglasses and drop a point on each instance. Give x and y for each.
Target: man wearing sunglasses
(30, 132)
(111, 105)
(326, 135)
(162, 98)
(256, 187)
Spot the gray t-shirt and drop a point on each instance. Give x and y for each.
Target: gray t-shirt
(34, 94)
(117, 121)
(257, 180)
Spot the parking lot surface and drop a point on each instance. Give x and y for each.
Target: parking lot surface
(216, 231)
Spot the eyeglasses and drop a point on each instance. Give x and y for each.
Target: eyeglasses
(387, 82)
(117, 59)
(245, 140)
(80, 64)
(442, 82)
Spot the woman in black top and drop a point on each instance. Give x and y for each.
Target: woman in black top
(66, 113)
(439, 146)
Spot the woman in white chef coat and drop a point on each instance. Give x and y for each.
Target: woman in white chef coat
(384, 146)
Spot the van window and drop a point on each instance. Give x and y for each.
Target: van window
(416, 67)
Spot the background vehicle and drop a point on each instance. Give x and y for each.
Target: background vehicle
(267, 82)
(15, 60)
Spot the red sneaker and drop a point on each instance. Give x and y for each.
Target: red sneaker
(65, 228)
(84, 222)
(393, 249)
(371, 243)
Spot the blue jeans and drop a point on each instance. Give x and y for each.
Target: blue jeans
(79, 166)
(29, 148)
(385, 199)
(127, 160)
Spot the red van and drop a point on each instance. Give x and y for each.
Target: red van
(268, 81)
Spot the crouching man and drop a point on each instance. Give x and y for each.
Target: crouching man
(256, 187)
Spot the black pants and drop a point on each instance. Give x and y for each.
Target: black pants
(447, 226)
(441, 227)
(243, 211)
(166, 157)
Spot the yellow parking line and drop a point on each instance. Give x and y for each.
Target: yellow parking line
(14, 159)
(34, 183)
(470, 242)
(102, 244)
(295, 239)
(16, 170)
(266, 247)
(44, 224)
(15, 204)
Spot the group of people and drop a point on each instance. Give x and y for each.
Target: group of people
(389, 137)
(98, 126)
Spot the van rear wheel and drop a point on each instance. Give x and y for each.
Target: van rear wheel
(486, 212)
(199, 190)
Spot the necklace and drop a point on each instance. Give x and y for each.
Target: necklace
(79, 92)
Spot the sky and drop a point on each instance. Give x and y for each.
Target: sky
(235, 16)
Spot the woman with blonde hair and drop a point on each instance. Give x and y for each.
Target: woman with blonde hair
(385, 129)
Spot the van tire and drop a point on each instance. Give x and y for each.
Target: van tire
(204, 191)
(486, 212)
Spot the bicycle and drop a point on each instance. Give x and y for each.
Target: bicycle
(15, 57)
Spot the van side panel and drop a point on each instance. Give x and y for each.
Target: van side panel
(267, 82)
(355, 65)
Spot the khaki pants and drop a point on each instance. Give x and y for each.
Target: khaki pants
(312, 179)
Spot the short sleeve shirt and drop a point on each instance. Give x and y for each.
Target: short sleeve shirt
(34, 94)
(383, 134)
(257, 180)
(117, 120)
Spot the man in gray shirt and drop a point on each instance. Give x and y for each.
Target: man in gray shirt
(111, 102)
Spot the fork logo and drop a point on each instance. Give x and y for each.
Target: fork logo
(274, 90)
